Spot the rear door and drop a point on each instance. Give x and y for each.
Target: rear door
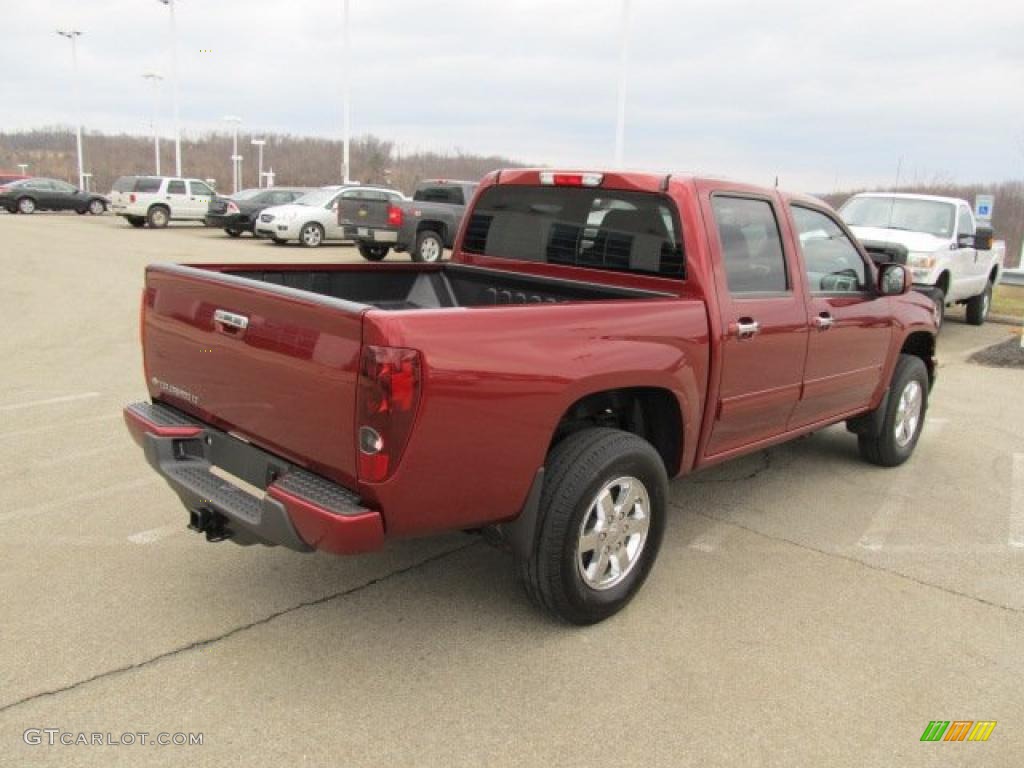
(851, 325)
(764, 320)
(176, 197)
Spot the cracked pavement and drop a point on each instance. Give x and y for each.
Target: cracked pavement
(806, 609)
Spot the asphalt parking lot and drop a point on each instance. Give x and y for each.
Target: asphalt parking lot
(806, 609)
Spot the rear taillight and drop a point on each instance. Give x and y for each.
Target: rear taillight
(131, 198)
(394, 216)
(232, 208)
(390, 380)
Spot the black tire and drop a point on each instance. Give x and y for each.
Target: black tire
(886, 449)
(136, 221)
(373, 252)
(429, 247)
(311, 235)
(233, 232)
(576, 471)
(939, 297)
(978, 306)
(97, 207)
(26, 205)
(159, 217)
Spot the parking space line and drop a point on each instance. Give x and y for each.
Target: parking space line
(63, 425)
(1016, 539)
(155, 534)
(881, 524)
(38, 509)
(50, 401)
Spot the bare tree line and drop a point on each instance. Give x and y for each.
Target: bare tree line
(296, 160)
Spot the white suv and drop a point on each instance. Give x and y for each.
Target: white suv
(159, 200)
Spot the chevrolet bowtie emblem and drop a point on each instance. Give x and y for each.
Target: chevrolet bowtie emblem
(362, 211)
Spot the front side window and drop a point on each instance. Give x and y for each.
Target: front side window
(200, 189)
(578, 227)
(61, 186)
(965, 222)
(832, 263)
(176, 188)
(752, 254)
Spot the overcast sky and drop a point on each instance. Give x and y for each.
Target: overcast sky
(822, 93)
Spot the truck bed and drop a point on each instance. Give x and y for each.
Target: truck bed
(449, 285)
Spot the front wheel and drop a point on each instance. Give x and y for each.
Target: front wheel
(939, 297)
(978, 307)
(429, 247)
(26, 205)
(602, 520)
(905, 410)
(373, 252)
(311, 235)
(96, 207)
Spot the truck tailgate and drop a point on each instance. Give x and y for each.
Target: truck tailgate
(270, 364)
(363, 213)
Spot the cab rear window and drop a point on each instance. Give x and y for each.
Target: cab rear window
(579, 227)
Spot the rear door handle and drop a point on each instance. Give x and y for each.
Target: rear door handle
(746, 328)
(823, 321)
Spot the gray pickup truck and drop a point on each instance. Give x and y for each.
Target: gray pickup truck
(424, 226)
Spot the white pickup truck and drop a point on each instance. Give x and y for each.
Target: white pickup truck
(951, 257)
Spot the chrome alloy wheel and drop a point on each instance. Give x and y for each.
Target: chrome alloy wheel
(311, 235)
(908, 413)
(613, 533)
(431, 250)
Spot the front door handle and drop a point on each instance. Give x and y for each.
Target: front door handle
(746, 328)
(823, 321)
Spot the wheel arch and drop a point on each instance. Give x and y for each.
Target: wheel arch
(921, 344)
(652, 413)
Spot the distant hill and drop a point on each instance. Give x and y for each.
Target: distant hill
(296, 160)
(1008, 218)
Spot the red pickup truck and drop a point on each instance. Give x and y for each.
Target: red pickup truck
(594, 335)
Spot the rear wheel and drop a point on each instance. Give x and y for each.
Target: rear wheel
(429, 247)
(26, 205)
(233, 232)
(602, 519)
(158, 217)
(97, 207)
(939, 297)
(978, 307)
(311, 235)
(905, 410)
(373, 252)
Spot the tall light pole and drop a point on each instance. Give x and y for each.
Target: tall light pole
(346, 168)
(174, 88)
(155, 78)
(620, 123)
(259, 143)
(234, 150)
(23, 167)
(73, 35)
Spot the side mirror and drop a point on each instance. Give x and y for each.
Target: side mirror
(894, 280)
(983, 239)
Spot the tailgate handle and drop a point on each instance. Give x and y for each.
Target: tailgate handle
(230, 322)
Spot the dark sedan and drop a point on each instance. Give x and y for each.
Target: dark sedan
(31, 195)
(237, 213)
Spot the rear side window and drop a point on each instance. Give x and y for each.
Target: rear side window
(579, 227)
(124, 184)
(147, 185)
(748, 234)
(440, 194)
